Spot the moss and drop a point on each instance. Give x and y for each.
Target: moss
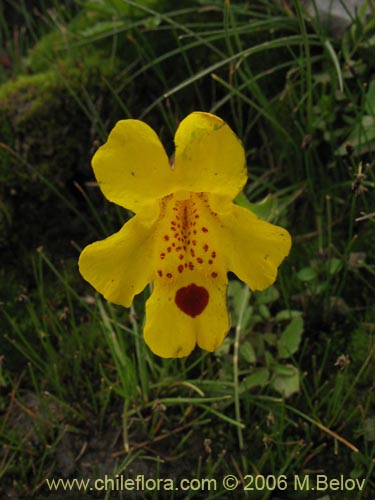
(22, 97)
(47, 141)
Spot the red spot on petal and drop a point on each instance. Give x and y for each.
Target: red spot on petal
(192, 252)
(204, 229)
(214, 275)
(213, 255)
(180, 268)
(169, 249)
(160, 272)
(192, 299)
(169, 275)
(181, 256)
(210, 261)
(162, 256)
(200, 260)
(194, 242)
(191, 266)
(205, 247)
(166, 237)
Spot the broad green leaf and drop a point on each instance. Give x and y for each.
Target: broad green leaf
(247, 352)
(284, 370)
(264, 311)
(290, 339)
(287, 314)
(265, 209)
(270, 338)
(334, 266)
(258, 378)
(287, 384)
(306, 274)
(270, 294)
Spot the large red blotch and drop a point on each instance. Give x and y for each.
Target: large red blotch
(192, 299)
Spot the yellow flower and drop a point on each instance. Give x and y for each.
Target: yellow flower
(186, 233)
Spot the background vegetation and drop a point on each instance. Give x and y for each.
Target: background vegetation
(291, 391)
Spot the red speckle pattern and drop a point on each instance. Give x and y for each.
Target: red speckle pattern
(192, 299)
(181, 221)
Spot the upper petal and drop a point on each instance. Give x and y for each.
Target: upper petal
(254, 248)
(132, 167)
(119, 267)
(209, 156)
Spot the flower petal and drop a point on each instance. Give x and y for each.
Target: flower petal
(254, 248)
(188, 302)
(187, 311)
(209, 156)
(214, 325)
(119, 267)
(132, 167)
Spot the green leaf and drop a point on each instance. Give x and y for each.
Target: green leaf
(247, 352)
(258, 378)
(287, 314)
(284, 370)
(287, 384)
(307, 274)
(264, 311)
(270, 294)
(265, 209)
(270, 338)
(334, 266)
(290, 339)
(268, 358)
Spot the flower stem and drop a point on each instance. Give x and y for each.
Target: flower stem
(139, 348)
(244, 303)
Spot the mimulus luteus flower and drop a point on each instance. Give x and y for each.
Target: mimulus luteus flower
(186, 233)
